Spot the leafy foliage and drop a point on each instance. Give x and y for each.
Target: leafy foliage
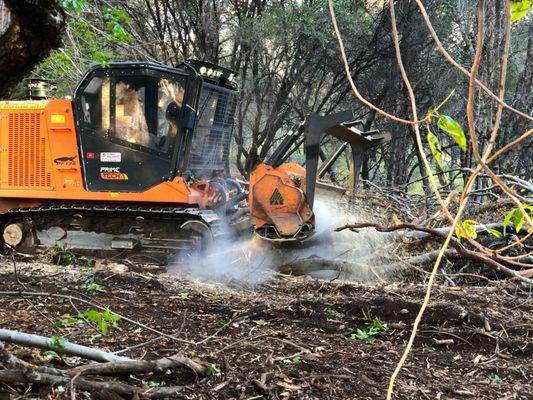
(519, 9)
(93, 35)
(449, 126)
(330, 312)
(62, 255)
(115, 21)
(371, 332)
(517, 218)
(293, 360)
(213, 370)
(103, 320)
(93, 287)
(75, 5)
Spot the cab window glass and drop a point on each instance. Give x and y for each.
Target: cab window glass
(140, 110)
(95, 101)
(147, 110)
(170, 101)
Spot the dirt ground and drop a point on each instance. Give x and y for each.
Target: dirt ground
(294, 335)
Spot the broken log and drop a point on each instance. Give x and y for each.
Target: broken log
(42, 342)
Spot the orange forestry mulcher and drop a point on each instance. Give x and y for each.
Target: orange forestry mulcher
(136, 162)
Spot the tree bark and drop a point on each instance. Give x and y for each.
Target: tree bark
(34, 30)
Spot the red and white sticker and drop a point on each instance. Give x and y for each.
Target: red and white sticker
(110, 157)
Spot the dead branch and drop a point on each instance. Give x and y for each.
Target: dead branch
(42, 342)
(20, 371)
(28, 376)
(139, 366)
(462, 251)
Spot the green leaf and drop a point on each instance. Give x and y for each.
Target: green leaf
(506, 220)
(55, 341)
(494, 232)
(453, 129)
(469, 227)
(330, 312)
(434, 146)
(213, 370)
(378, 325)
(111, 317)
(103, 326)
(75, 5)
(93, 287)
(519, 9)
(51, 353)
(518, 220)
(93, 316)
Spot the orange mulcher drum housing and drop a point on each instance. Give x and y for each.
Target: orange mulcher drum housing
(277, 203)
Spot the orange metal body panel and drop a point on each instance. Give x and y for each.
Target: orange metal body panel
(35, 133)
(277, 198)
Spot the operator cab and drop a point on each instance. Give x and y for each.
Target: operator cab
(136, 122)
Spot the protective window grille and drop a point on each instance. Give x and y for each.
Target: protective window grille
(212, 135)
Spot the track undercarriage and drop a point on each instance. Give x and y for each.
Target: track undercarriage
(152, 234)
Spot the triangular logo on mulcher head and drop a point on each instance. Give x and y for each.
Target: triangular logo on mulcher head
(276, 199)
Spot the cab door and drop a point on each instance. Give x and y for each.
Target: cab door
(129, 122)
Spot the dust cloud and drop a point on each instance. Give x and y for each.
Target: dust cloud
(361, 256)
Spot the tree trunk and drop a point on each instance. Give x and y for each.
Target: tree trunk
(34, 30)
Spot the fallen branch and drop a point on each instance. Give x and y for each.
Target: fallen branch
(20, 371)
(462, 251)
(480, 229)
(42, 342)
(28, 376)
(138, 366)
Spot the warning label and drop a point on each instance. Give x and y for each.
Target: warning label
(110, 157)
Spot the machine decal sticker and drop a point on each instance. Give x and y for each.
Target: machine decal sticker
(112, 174)
(110, 157)
(276, 199)
(57, 118)
(65, 161)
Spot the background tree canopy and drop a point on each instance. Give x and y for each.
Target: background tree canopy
(289, 66)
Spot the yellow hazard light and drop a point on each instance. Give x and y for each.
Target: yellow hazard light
(57, 119)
